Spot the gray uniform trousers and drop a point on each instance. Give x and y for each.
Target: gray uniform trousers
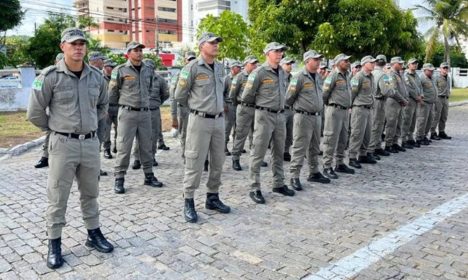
(392, 118)
(289, 118)
(378, 122)
(133, 124)
(306, 139)
(361, 127)
(409, 120)
(160, 136)
(244, 124)
(203, 135)
(70, 158)
(45, 146)
(113, 112)
(182, 119)
(423, 120)
(268, 126)
(230, 121)
(155, 130)
(335, 135)
(440, 114)
(102, 130)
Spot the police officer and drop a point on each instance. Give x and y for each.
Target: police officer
(425, 108)
(112, 112)
(266, 89)
(200, 87)
(304, 95)
(362, 88)
(413, 86)
(286, 63)
(158, 94)
(245, 113)
(178, 111)
(355, 68)
(442, 105)
(393, 107)
(337, 97)
(76, 96)
(44, 160)
(230, 107)
(130, 86)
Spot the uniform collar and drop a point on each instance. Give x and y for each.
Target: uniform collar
(307, 73)
(62, 67)
(245, 72)
(267, 66)
(129, 64)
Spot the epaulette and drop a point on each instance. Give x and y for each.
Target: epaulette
(46, 71)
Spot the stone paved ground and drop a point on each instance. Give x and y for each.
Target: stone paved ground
(288, 238)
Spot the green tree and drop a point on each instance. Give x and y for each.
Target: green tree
(457, 57)
(10, 16)
(232, 28)
(17, 53)
(44, 46)
(450, 18)
(118, 58)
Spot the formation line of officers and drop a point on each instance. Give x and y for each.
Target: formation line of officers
(76, 103)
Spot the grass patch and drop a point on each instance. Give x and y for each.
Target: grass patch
(459, 94)
(16, 129)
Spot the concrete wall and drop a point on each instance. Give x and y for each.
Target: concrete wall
(14, 94)
(460, 77)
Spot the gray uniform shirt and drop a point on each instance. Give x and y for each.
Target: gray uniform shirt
(384, 85)
(200, 87)
(443, 85)
(413, 84)
(336, 89)
(130, 87)
(304, 93)
(399, 86)
(237, 87)
(227, 86)
(159, 92)
(172, 87)
(429, 89)
(75, 105)
(362, 88)
(265, 88)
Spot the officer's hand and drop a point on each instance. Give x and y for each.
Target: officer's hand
(175, 123)
(226, 109)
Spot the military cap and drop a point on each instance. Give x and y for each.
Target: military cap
(73, 34)
(250, 59)
(444, 64)
(381, 57)
(273, 46)
(331, 64)
(208, 37)
(388, 66)
(323, 64)
(341, 57)
(149, 62)
(367, 59)
(235, 63)
(109, 63)
(287, 60)
(134, 45)
(59, 57)
(95, 56)
(428, 66)
(396, 59)
(190, 55)
(412, 60)
(311, 54)
(356, 64)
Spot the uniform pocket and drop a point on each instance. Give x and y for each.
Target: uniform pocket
(93, 96)
(191, 159)
(63, 95)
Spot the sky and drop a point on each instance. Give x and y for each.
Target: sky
(37, 12)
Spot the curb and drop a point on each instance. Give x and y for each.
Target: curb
(459, 103)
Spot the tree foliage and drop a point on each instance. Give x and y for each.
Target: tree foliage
(232, 28)
(10, 15)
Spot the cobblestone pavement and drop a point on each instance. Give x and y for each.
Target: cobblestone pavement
(288, 238)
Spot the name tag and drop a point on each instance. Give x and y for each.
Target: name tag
(129, 78)
(202, 77)
(268, 82)
(340, 83)
(308, 85)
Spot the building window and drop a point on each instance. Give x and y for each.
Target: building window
(165, 20)
(165, 9)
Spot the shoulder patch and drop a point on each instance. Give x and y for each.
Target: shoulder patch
(328, 80)
(114, 74)
(38, 82)
(184, 74)
(354, 82)
(293, 82)
(252, 76)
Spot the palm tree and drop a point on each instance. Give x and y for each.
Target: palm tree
(450, 18)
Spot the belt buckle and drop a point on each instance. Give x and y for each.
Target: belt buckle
(82, 137)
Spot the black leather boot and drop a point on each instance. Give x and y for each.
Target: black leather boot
(257, 197)
(236, 165)
(287, 156)
(434, 136)
(119, 185)
(97, 240)
(296, 184)
(190, 214)
(330, 173)
(155, 163)
(443, 135)
(207, 164)
(284, 190)
(376, 156)
(369, 158)
(214, 203)
(381, 152)
(152, 181)
(343, 168)
(107, 154)
(136, 164)
(391, 149)
(319, 178)
(54, 256)
(43, 162)
(264, 164)
(354, 163)
(163, 147)
(399, 148)
(114, 150)
(226, 150)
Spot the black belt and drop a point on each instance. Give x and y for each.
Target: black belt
(365, 106)
(268, 109)
(307, 113)
(113, 105)
(380, 97)
(153, 109)
(287, 107)
(130, 108)
(247, 105)
(78, 136)
(338, 106)
(206, 115)
(444, 97)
